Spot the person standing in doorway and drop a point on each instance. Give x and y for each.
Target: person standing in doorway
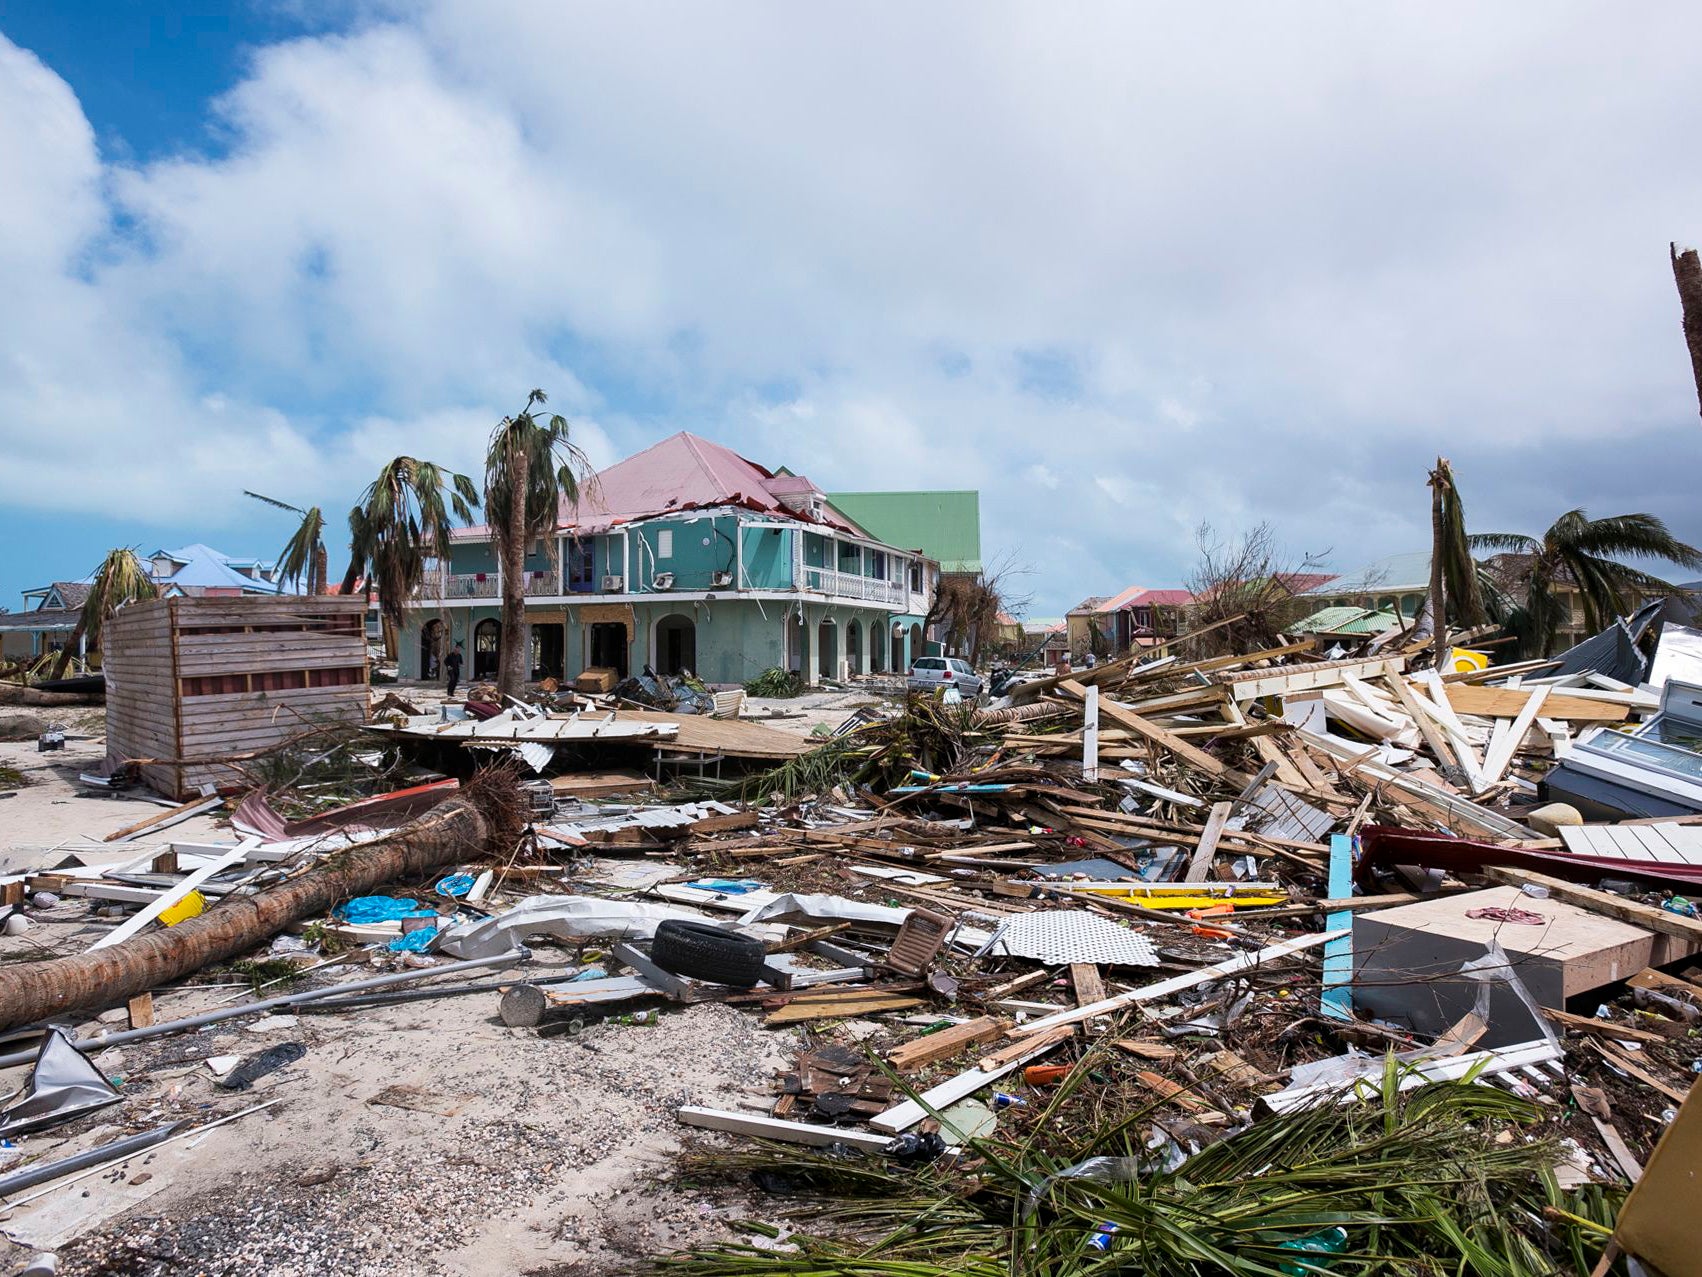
(452, 663)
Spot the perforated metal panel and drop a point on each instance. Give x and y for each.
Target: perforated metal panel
(1073, 935)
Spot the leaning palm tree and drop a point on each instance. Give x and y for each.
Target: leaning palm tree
(303, 555)
(532, 469)
(1586, 554)
(403, 519)
(121, 578)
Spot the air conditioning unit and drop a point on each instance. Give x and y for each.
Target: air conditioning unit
(722, 579)
(614, 585)
(662, 581)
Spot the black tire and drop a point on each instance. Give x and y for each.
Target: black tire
(708, 953)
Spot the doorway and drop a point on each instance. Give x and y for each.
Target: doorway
(431, 649)
(609, 647)
(487, 648)
(827, 643)
(676, 644)
(853, 647)
(548, 649)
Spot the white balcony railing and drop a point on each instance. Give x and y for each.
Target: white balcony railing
(483, 585)
(851, 585)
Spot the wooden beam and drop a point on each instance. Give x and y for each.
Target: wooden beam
(903, 1116)
(1150, 732)
(1164, 988)
(1606, 1028)
(771, 1128)
(921, 1052)
(1086, 982)
(1500, 756)
(1427, 729)
(1206, 851)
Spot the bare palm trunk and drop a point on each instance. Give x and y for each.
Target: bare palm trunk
(457, 830)
(511, 668)
(320, 571)
(1438, 619)
(1687, 274)
(69, 650)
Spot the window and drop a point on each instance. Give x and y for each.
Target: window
(915, 578)
(929, 663)
(579, 567)
(665, 544)
(878, 571)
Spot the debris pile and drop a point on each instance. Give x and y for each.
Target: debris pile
(1186, 962)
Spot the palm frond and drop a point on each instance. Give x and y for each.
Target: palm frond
(1636, 536)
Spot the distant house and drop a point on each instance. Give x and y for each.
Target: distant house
(1134, 617)
(1046, 640)
(686, 556)
(50, 611)
(1397, 583)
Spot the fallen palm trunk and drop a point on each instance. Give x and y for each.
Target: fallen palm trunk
(14, 694)
(480, 819)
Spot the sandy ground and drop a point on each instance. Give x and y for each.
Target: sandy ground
(517, 1154)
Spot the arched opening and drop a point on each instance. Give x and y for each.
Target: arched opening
(676, 644)
(487, 647)
(877, 648)
(853, 647)
(431, 648)
(827, 643)
(916, 642)
(795, 643)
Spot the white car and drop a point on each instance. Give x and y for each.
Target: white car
(936, 673)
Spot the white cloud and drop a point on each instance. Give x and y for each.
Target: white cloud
(1271, 266)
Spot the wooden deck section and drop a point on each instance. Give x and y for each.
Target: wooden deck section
(1663, 843)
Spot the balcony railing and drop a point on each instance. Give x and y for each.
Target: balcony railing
(483, 585)
(851, 585)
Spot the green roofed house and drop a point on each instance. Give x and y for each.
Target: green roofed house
(1353, 623)
(944, 526)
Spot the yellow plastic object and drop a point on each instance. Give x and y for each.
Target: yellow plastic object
(1172, 900)
(191, 906)
(1463, 660)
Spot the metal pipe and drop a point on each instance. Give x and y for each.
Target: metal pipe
(104, 1040)
(332, 1005)
(41, 1172)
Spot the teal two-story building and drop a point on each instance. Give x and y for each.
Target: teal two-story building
(686, 557)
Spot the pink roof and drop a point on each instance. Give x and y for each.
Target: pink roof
(1161, 598)
(1140, 596)
(683, 472)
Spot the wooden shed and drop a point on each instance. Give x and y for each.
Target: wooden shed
(193, 680)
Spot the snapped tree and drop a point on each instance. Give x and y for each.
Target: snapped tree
(1687, 274)
(533, 471)
(121, 578)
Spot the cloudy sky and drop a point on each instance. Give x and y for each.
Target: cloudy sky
(1121, 267)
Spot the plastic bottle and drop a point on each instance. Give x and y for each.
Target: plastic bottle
(1681, 906)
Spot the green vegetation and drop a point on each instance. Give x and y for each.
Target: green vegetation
(1446, 1178)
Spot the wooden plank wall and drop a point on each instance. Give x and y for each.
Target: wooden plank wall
(141, 707)
(250, 673)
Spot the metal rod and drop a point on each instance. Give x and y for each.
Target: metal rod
(332, 1005)
(509, 959)
(44, 1171)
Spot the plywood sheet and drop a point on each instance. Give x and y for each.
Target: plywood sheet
(1506, 702)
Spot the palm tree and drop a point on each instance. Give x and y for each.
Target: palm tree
(119, 579)
(303, 554)
(532, 469)
(1585, 552)
(404, 518)
(1453, 571)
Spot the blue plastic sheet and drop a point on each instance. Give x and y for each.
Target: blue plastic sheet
(365, 910)
(455, 885)
(413, 941)
(727, 886)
